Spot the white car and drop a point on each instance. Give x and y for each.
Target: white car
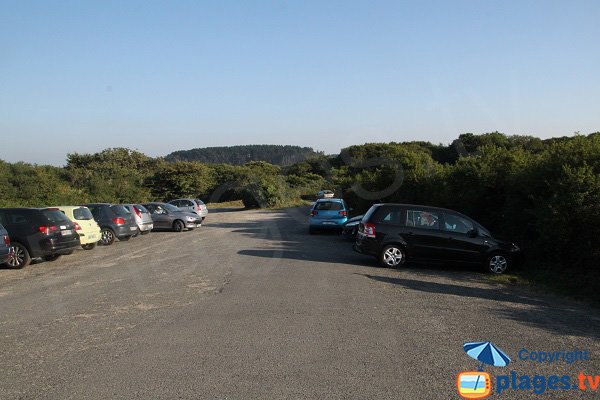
(325, 194)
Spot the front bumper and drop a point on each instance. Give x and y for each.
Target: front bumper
(193, 224)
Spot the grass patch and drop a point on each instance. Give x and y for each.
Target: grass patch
(226, 204)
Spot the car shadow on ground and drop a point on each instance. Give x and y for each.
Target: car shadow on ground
(288, 234)
(542, 312)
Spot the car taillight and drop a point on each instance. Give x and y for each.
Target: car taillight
(6, 240)
(119, 221)
(138, 212)
(313, 213)
(77, 226)
(344, 213)
(369, 230)
(46, 230)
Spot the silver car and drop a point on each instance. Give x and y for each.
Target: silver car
(142, 217)
(192, 205)
(5, 248)
(167, 216)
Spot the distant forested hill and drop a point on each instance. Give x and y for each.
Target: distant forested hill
(238, 155)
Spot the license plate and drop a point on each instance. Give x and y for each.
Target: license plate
(92, 237)
(66, 232)
(133, 228)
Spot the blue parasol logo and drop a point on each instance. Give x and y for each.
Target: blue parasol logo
(486, 353)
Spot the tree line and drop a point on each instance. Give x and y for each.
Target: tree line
(239, 155)
(542, 194)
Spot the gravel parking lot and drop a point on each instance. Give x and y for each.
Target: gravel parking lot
(251, 306)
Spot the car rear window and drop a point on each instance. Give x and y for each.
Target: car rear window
(329, 205)
(120, 210)
(141, 209)
(55, 216)
(82, 213)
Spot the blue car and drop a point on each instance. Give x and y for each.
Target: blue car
(330, 214)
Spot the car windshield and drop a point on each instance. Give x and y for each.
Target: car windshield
(328, 205)
(170, 207)
(82, 213)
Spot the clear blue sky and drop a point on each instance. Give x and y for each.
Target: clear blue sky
(159, 76)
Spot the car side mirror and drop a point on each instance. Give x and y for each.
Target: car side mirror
(472, 233)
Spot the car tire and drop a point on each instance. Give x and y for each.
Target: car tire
(178, 226)
(497, 263)
(107, 237)
(20, 258)
(52, 257)
(392, 256)
(89, 246)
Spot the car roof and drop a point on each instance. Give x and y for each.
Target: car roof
(67, 207)
(416, 205)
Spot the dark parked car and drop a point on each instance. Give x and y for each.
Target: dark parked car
(38, 233)
(350, 227)
(167, 216)
(115, 222)
(5, 249)
(396, 233)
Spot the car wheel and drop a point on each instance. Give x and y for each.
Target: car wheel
(107, 237)
(392, 256)
(88, 246)
(497, 263)
(178, 226)
(52, 257)
(20, 256)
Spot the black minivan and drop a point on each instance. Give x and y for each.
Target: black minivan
(38, 233)
(396, 233)
(115, 221)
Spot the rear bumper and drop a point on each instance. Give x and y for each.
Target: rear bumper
(4, 255)
(125, 231)
(62, 246)
(143, 227)
(89, 237)
(327, 223)
(365, 245)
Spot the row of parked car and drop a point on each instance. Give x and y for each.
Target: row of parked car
(398, 233)
(50, 232)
